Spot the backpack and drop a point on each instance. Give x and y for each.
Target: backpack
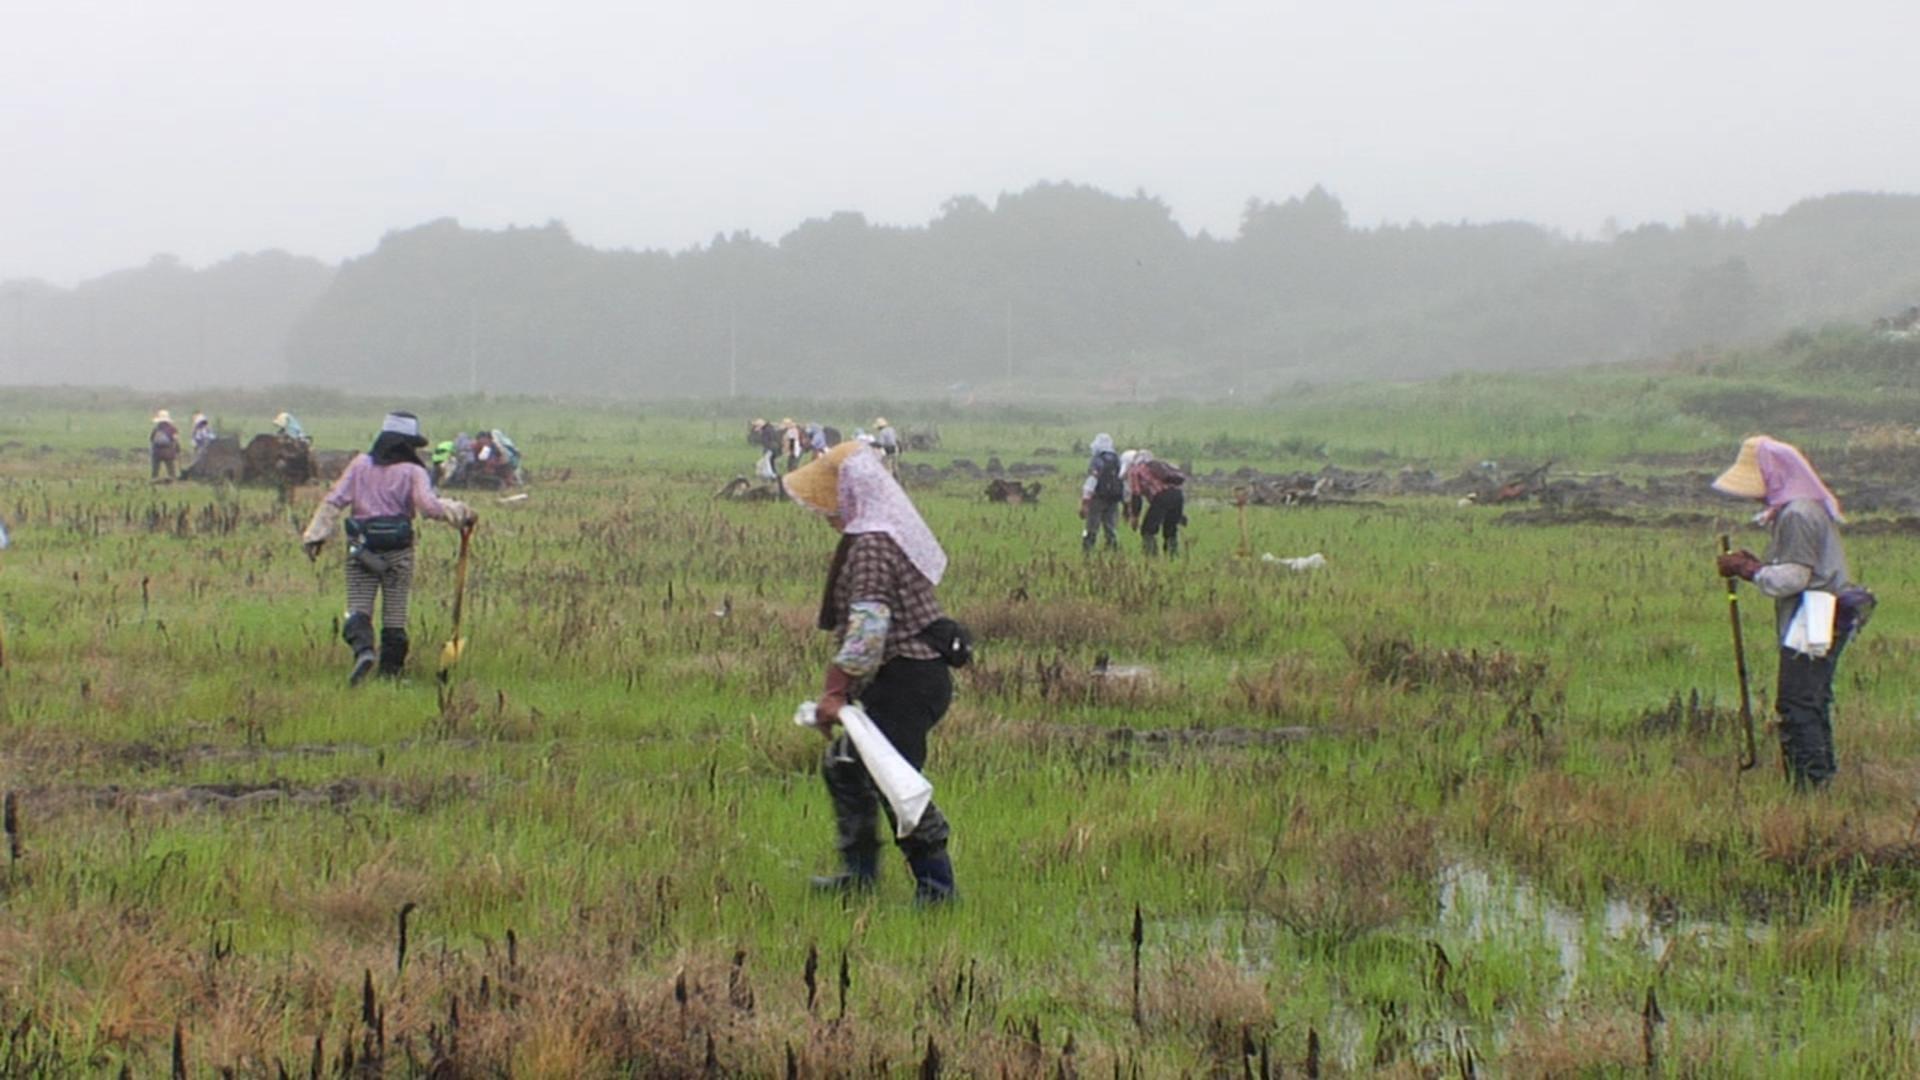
(1106, 477)
(1166, 473)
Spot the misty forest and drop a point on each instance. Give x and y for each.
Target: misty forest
(1060, 290)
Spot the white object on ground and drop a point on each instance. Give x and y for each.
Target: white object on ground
(1305, 562)
(908, 792)
(1810, 632)
(522, 497)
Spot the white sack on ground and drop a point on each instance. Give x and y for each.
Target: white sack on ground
(906, 791)
(1810, 633)
(1305, 562)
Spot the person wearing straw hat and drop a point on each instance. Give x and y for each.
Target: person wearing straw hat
(879, 602)
(379, 494)
(888, 440)
(792, 442)
(1804, 557)
(163, 446)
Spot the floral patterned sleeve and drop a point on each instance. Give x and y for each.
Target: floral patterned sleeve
(865, 645)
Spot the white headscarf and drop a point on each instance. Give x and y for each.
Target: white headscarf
(871, 501)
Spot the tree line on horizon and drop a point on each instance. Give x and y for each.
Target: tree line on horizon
(1055, 289)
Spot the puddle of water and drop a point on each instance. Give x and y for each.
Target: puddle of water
(1477, 904)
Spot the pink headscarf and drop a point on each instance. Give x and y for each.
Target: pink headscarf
(872, 501)
(1790, 476)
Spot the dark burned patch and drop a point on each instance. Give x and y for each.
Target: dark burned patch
(416, 795)
(1595, 515)
(1399, 661)
(1087, 736)
(141, 756)
(1905, 526)
(1689, 715)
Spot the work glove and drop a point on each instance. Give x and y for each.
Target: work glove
(459, 514)
(1083, 509)
(1740, 564)
(835, 692)
(312, 548)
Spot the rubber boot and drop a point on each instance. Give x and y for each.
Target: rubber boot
(358, 633)
(1173, 544)
(1149, 544)
(393, 651)
(862, 870)
(933, 878)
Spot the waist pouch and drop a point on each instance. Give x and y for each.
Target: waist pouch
(952, 640)
(387, 533)
(1853, 607)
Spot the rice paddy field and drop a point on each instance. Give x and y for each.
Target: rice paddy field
(1464, 801)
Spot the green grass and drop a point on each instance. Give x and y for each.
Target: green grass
(614, 780)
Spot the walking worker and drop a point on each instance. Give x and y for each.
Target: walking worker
(879, 601)
(888, 440)
(791, 443)
(1156, 486)
(1803, 560)
(1101, 495)
(163, 446)
(379, 494)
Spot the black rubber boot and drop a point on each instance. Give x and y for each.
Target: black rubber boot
(393, 651)
(933, 878)
(862, 870)
(358, 633)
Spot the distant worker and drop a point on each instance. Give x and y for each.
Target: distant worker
(380, 494)
(1101, 495)
(894, 649)
(888, 440)
(287, 426)
(202, 435)
(1803, 559)
(443, 462)
(1153, 486)
(764, 438)
(792, 445)
(163, 446)
(817, 440)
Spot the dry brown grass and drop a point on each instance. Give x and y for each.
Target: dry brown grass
(1345, 883)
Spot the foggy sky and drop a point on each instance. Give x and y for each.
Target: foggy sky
(200, 128)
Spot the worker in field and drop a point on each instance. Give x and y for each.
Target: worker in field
(202, 436)
(895, 647)
(379, 495)
(1156, 501)
(287, 426)
(792, 443)
(1101, 495)
(888, 440)
(766, 438)
(163, 446)
(1816, 607)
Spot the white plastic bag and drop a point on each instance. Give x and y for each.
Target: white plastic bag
(1810, 633)
(1305, 562)
(906, 791)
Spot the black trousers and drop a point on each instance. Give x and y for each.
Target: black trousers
(1166, 512)
(905, 700)
(1803, 700)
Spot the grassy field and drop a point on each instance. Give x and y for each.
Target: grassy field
(1448, 804)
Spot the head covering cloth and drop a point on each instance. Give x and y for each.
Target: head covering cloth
(1777, 473)
(851, 482)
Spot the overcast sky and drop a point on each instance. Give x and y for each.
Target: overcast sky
(200, 129)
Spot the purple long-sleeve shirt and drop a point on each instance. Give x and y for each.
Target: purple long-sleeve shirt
(367, 490)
